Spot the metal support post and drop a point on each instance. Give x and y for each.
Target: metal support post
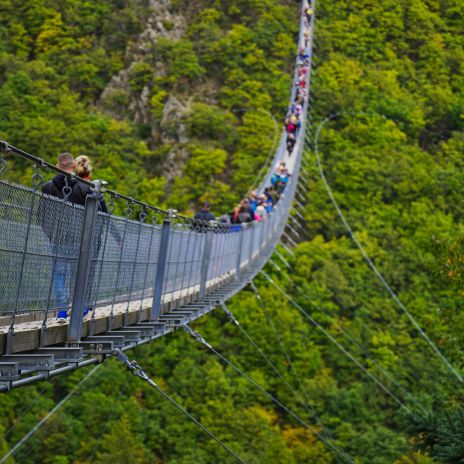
(250, 249)
(239, 254)
(162, 258)
(83, 265)
(205, 263)
(262, 235)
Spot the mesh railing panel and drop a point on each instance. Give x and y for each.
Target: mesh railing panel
(39, 247)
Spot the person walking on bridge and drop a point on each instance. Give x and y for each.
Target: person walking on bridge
(205, 213)
(83, 168)
(203, 217)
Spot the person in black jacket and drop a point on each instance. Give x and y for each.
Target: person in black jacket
(202, 217)
(55, 186)
(63, 239)
(84, 169)
(205, 213)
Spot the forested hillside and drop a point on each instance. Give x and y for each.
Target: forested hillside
(164, 98)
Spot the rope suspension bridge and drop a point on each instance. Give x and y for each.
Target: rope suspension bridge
(145, 273)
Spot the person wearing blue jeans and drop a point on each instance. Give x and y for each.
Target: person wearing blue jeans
(65, 267)
(63, 240)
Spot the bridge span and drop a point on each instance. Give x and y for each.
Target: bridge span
(146, 271)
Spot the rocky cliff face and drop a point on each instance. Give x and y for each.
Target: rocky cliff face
(161, 23)
(122, 99)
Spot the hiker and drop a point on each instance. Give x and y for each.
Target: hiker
(307, 36)
(308, 14)
(205, 213)
(84, 169)
(291, 141)
(64, 238)
(243, 214)
(260, 213)
(203, 217)
(253, 200)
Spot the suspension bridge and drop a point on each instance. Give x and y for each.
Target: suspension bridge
(145, 272)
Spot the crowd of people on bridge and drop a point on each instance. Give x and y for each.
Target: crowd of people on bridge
(257, 205)
(254, 207)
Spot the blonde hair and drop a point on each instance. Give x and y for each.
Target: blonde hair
(82, 166)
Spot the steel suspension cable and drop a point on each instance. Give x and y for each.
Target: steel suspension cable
(269, 362)
(393, 380)
(136, 370)
(369, 261)
(49, 414)
(412, 371)
(366, 352)
(330, 445)
(379, 383)
(285, 352)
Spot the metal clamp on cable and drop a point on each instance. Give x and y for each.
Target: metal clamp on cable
(196, 335)
(133, 366)
(4, 147)
(255, 289)
(229, 313)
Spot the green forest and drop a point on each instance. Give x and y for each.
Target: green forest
(171, 101)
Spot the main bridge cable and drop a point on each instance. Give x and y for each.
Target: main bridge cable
(49, 414)
(367, 257)
(137, 370)
(338, 345)
(338, 452)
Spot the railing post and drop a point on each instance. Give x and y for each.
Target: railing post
(250, 248)
(83, 265)
(262, 226)
(205, 262)
(160, 270)
(239, 254)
